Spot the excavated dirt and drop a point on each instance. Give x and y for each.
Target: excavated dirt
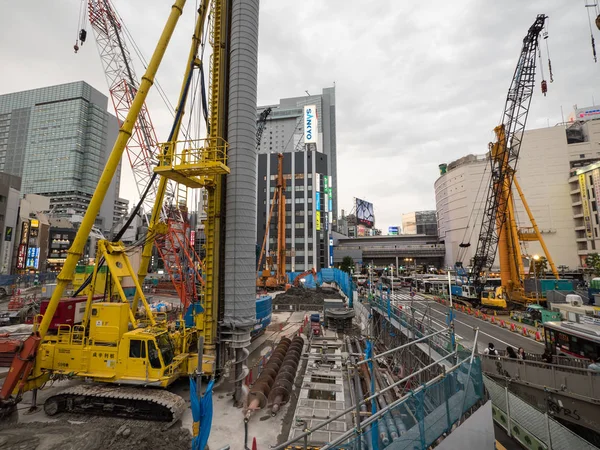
(304, 296)
(97, 434)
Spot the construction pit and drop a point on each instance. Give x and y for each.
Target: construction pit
(305, 386)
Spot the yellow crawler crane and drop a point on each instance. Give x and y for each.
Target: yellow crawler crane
(499, 225)
(112, 345)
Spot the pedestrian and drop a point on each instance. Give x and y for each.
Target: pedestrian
(521, 353)
(490, 350)
(595, 366)
(547, 356)
(510, 352)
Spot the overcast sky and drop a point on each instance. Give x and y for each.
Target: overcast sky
(417, 83)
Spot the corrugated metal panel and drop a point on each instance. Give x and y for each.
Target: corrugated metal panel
(534, 420)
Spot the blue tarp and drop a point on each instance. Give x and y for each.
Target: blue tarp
(202, 412)
(341, 278)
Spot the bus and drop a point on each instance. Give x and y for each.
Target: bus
(576, 340)
(360, 279)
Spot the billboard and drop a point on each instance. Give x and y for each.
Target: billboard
(587, 218)
(311, 129)
(33, 258)
(393, 231)
(318, 220)
(21, 255)
(591, 112)
(364, 213)
(8, 234)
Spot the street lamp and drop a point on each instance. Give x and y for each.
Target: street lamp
(536, 258)
(392, 272)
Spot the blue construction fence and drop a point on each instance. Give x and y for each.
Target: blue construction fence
(29, 279)
(418, 419)
(337, 276)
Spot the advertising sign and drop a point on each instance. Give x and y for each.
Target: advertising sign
(318, 220)
(25, 232)
(393, 231)
(8, 234)
(33, 257)
(364, 213)
(311, 129)
(21, 256)
(317, 182)
(596, 178)
(192, 238)
(326, 203)
(330, 204)
(318, 201)
(587, 113)
(587, 219)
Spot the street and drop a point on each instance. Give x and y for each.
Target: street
(464, 325)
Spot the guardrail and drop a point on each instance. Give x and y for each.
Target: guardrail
(571, 380)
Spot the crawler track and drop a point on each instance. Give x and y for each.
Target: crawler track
(128, 402)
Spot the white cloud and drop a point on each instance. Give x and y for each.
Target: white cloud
(417, 83)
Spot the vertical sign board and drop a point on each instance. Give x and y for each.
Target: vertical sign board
(8, 234)
(587, 219)
(311, 128)
(317, 182)
(318, 220)
(318, 201)
(330, 252)
(22, 252)
(193, 238)
(596, 178)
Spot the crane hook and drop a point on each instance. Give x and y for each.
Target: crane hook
(76, 47)
(544, 87)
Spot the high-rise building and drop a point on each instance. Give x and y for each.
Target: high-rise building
(288, 128)
(557, 174)
(419, 222)
(57, 139)
(308, 213)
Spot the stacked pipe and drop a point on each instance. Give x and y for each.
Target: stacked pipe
(259, 392)
(366, 443)
(284, 382)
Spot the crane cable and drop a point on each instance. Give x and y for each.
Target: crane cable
(463, 247)
(545, 35)
(81, 32)
(588, 6)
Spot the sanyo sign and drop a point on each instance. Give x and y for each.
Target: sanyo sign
(311, 129)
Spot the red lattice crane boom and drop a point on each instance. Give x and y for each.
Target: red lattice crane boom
(174, 247)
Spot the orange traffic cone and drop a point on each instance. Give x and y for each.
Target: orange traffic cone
(512, 327)
(524, 331)
(254, 446)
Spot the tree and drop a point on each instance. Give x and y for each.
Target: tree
(593, 263)
(347, 264)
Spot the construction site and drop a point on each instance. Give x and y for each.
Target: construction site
(229, 348)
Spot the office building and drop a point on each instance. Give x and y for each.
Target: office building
(57, 140)
(9, 209)
(308, 213)
(288, 128)
(419, 222)
(555, 170)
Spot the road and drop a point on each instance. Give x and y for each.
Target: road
(464, 325)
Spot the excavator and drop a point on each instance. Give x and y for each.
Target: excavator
(273, 275)
(299, 277)
(116, 345)
(499, 230)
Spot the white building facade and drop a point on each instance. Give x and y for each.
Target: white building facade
(545, 164)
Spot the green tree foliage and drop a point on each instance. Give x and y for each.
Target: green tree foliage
(347, 264)
(593, 263)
